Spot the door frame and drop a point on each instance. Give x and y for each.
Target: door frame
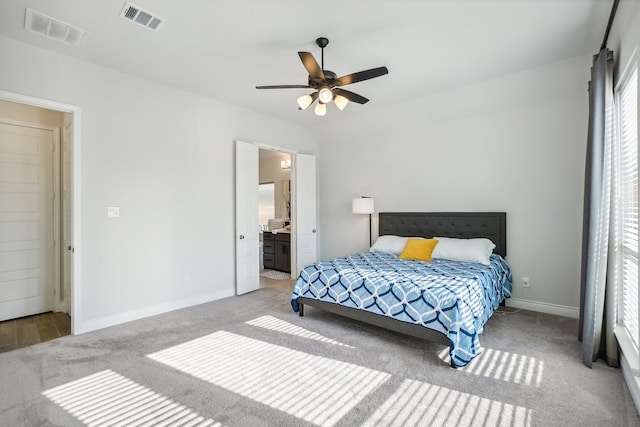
(76, 112)
(292, 153)
(294, 249)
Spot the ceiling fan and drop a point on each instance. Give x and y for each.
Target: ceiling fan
(326, 84)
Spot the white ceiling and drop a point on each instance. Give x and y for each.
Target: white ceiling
(223, 49)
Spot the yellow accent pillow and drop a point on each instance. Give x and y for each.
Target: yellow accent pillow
(419, 249)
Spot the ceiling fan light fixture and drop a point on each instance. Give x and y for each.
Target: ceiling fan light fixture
(326, 85)
(340, 102)
(304, 101)
(325, 95)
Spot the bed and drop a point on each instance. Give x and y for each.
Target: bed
(444, 301)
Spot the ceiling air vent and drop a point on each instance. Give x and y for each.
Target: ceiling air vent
(53, 28)
(140, 16)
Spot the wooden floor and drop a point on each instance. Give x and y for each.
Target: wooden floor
(18, 333)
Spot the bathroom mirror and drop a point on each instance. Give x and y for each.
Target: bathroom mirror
(266, 203)
(285, 199)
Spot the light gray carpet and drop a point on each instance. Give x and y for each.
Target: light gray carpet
(249, 361)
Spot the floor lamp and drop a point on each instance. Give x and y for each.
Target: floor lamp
(364, 205)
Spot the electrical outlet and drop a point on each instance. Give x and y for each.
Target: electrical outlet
(525, 282)
(187, 281)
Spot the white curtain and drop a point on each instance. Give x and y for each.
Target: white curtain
(600, 221)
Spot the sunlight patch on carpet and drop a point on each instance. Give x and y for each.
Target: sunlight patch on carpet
(313, 388)
(416, 403)
(110, 399)
(502, 365)
(275, 324)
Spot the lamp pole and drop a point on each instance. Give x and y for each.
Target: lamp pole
(364, 205)
(370, 234)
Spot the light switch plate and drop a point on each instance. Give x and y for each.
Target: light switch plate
(113, 211)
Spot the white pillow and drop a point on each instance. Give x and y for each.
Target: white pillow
(389, 244)
(470, 250)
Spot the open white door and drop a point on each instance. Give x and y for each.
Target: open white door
(247, 222)
(26, 220)
(305, 211)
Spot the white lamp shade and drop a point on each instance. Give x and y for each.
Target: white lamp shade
(340, 102)
(321, 109)
(325, 95)
(304, 101)
(362, 205)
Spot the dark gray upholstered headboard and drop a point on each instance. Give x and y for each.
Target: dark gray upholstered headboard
(466, 225)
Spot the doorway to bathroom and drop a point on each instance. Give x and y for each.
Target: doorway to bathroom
(298, 200)
(274, 212)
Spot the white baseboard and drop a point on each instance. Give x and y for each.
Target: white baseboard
(544, 307)
(633, 383)
(117, 319)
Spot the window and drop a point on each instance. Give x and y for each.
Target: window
(627, 203)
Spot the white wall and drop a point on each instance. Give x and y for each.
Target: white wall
(166, 158)
(625, 35)
(514, 144)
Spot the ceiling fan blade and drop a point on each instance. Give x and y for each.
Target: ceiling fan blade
(350, 96)
(311, 65)
(285, 87)
(361, 75)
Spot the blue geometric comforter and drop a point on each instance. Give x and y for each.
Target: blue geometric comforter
(452, 297)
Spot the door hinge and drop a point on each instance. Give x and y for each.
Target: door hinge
(54, 243)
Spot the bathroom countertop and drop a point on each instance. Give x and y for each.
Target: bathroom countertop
(280, 230)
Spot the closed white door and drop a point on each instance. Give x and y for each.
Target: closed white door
(26, 220)
(305, 215)
(247, 220)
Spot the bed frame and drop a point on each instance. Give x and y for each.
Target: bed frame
(492, 225)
